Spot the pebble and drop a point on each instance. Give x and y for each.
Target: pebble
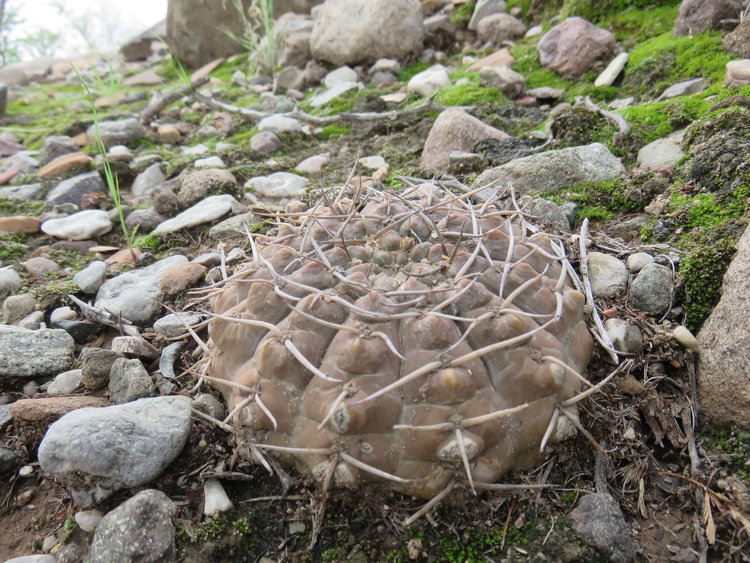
(180, 277)
(62, 314)
(32, 321)
(613, 70)
(88, 520)
(96, 364)
(341, 75)
(83, 225)
(134, 345)
(48, 409)
(48, 543)
(332, 93)
(600, 523)
(146, 220)
(651, 290)
(215, 498)
(91, 277)
(636, 261)
(81, 331)
(279, 124)
(207, 403)
(31, 353)
(72, 189)
(683, 335)
(685, 88)
(210, 162)
(128, 381)
(278, 184)
(208, 259)
(10, 281)
(196, 150)
(265, 142)
(625, 337)
(25, 192)
(607, 274)
(135, 294)
(8, 461)
(428, 81)
(65, 383)
(16, 307)
(372, 162)
(19, 224)
(173, 325)
(119, 132)
(314, 164)
(120, 446)
(234, 227)
(25, 471)
(140, 529)
(205, 211)
(147, 180)
(39, 266)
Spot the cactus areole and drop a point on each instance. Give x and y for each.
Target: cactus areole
(413, 339)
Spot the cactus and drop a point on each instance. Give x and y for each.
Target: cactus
(414, 339)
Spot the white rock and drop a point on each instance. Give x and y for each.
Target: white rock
(88, 520)
(372, 162)
(202, 212)
(484, 8)
(279, 124)
(333, 93)
(210, 162)
(613, 70)
(196, 150)
(62, 314)
(314, 164)
(83, 225)
(65, 383)
(662, 154)
(91, 277)
(533, 31)
(343, 74)
(147, 180)
(429, 81)
(215, 498)
(683, 335)
(278, 184)
(684, 88)
(636, 261)
(385, 65)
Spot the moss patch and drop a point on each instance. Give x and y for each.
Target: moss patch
(468, 95)
(600, 10)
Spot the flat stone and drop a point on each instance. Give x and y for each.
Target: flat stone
(686, 88)
(503, 78)
(96, 363)
(140, 529)
(48, 409)
(279, 124)
(168, 134)
(31, 353)
(16, 307)
(120, 446)
(180, 277)
(145, 220)
(608, 275)
(205, 211)
(608, 76)
(84, 225)
(340, 75)
(484, 8)
(372, 163)
(210, 162)
(234, 227)
(55, 146)
(10, 281)
(25, 192)
(120, 132)
(173, 325)
(662, 154)
(500, 28)
(64, 164)
(135, 294)
(332, 93)
(314, 164)
(144, 78)
(72, 189)
(65, 383)
(278, 184)
(20, 224)
(129, 381)
(39, 266)
(638, 260)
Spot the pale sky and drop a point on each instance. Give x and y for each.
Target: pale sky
(107, 23)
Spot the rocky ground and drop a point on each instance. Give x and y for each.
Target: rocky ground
(619, 125)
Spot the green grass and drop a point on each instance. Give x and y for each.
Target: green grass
(333, 131)
(406, 74)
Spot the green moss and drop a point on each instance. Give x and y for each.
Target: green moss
(70, 259)
(150, 242)
(413, 69)
(600, 200)
(468, 95)
(635, 26)
(527, 63)
(599, 10)
(664, 60)
(22, 207)
(595, 213)
(211, 528)
(333, 131)
(11, 249)
(462, 14)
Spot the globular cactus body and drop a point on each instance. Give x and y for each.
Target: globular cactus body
(408, 339)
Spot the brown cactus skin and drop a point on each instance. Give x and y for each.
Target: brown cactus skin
(357, 325)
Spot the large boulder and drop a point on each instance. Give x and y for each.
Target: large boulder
(454, 130)
(571, 48)
(699, 15)
(738, 42)
(359, 31)
(724, 366)
(195, 27)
